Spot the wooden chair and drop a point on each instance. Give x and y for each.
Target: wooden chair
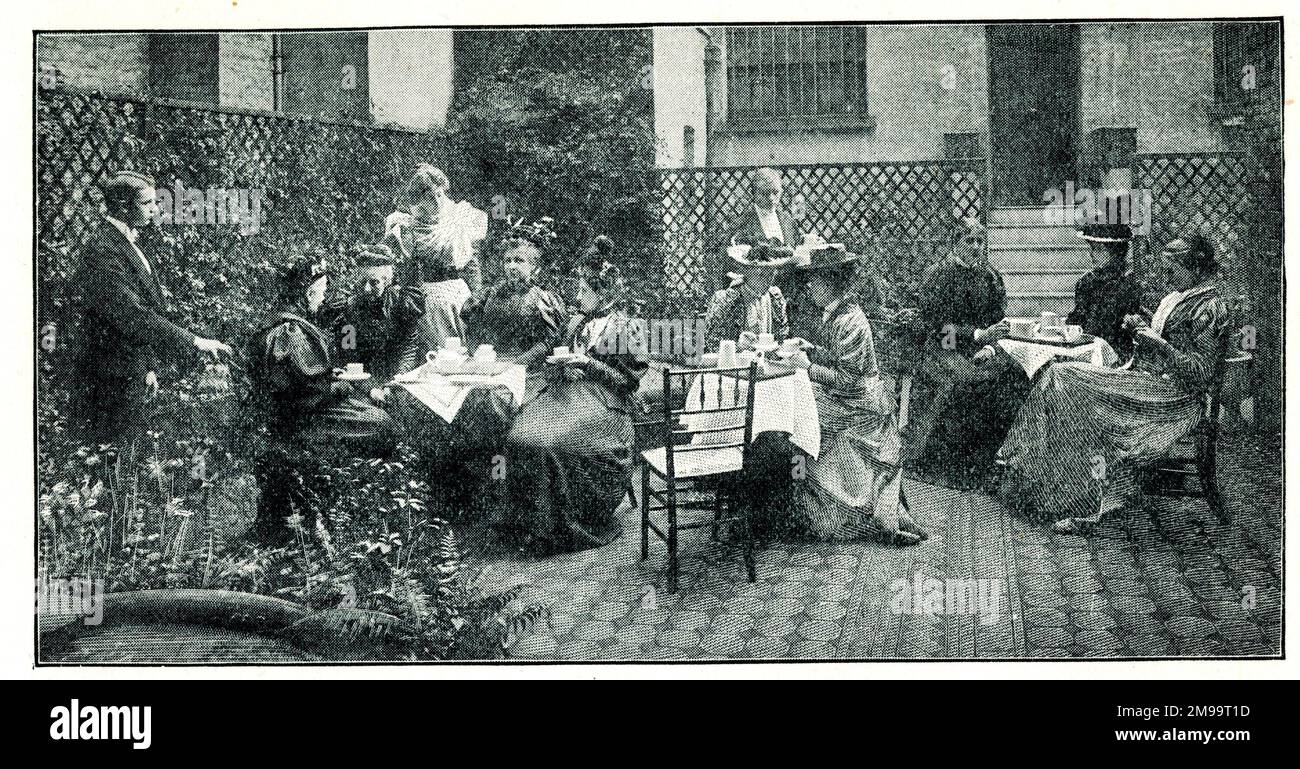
(1191, 469)
(895, 352)
(693, 462)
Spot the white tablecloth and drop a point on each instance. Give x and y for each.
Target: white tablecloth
(1033, 355)
(445, 396)
(785, 405)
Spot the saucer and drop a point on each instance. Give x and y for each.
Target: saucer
(343, 376)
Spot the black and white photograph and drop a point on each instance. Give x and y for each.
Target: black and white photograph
(782, 341)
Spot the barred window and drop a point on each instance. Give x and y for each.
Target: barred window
(1244, 60)
(796, 75)
(183, 66)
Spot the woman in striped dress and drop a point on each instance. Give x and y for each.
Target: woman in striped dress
(1071, 453)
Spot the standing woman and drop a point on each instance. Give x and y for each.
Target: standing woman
(437, 240)
(854, 486)
(569, 453)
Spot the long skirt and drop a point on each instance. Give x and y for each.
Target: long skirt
(1082, 431)
(442, 305)
(969, 409)
(568, 465)
(350, 418)
(349, 425)
(853, 487)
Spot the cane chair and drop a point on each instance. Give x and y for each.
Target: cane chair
(1191, 468)
(702, 457)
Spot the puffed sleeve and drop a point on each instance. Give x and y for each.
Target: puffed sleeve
(1195, 366)
(287, 345)
(547, 321)
(849, 356)
(717, 318)
(622, 370)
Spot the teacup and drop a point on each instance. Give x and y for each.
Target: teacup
(355, 369)
(727, 352)
(1022, 327)
(445, 357)
(453, 343)
(560, 352)
(1048, 321)
(766, 340)
(485, 353)
(1073, 333)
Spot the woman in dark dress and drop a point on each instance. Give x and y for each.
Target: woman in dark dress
(307, 409)
(519, 318)
(569, 453)
(1071, 453)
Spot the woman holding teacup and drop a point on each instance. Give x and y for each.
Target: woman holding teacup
(1071, 452)
(752, 306)
(569, 453)
(854, 486)
(437, 238)
(294, 384)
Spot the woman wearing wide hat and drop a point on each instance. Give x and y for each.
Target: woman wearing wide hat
(751, 305)
(1111, 291)
(854, 486)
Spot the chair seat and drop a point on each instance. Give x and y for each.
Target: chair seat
(693, 464)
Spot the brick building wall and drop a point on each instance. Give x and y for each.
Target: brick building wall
(400, 77)
(247, 71)
(116, 63)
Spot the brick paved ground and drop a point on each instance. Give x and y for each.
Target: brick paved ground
(1166, 580)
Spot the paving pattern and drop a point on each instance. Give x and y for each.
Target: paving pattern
(1166, 580)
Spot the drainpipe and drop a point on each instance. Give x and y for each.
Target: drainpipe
(712, 92)
(277, 69)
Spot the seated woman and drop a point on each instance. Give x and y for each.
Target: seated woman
(436, 239)
(292, 373)
(854, 486)
(379, 325)
(569, 453)
(519, 318)
(752, 304)
(1071, 452)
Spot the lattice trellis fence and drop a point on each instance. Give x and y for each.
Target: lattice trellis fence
(1203, 192)
(325, 186)
(901, 216)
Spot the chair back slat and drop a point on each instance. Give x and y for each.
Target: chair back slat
(729, 390)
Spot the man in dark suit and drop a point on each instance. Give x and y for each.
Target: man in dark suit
(127, 335)
(761, 222)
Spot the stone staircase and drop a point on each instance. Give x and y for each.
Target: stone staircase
(1041, 262)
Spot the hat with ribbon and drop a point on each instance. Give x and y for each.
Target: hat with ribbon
(834, 257)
